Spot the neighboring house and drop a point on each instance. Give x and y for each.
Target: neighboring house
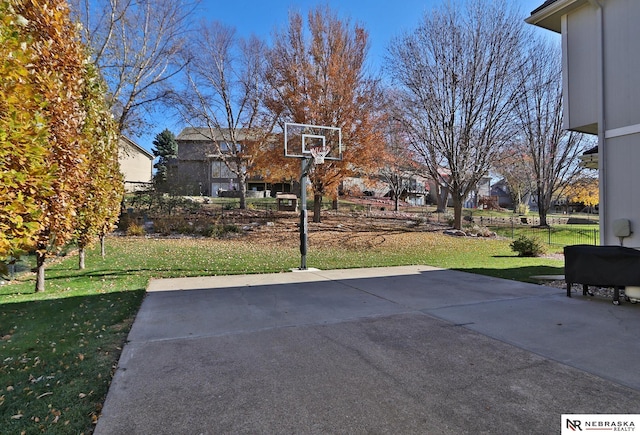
(482, 190)
(356, 186)
(415, 193)
(501, 191)
(199, 170)
(589, 158)
(601, 65)
(136, 164)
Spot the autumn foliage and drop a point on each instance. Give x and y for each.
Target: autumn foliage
(25, 175)
(60, 174)
(584, 190)
(103, 190)
(317, 76)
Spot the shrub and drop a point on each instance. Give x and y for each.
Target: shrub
(449, 219)
(528, 246)
(230, 229)
(479, 231)
(135, 230)
(221, 230)
(162, 225)
(522, 209)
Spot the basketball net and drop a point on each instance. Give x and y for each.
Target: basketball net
(319, 153)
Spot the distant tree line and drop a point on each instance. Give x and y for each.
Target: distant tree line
(468, 91)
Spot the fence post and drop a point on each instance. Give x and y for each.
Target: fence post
(549, 229)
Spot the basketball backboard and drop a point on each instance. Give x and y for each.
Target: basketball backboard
(301, 139)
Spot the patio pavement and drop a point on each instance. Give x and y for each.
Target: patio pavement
(411, 349)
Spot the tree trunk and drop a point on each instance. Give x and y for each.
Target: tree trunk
(81, 257)
(40, 259)
(542, 213)
(442, 194)
(243, 195)
(396, 202)
(542, 207)
(317, 206)
(457, 213)
(103, 251)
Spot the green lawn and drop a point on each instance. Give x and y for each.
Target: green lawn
(60, 348)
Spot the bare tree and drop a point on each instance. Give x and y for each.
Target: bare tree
(457, 71)
(553, 152)
(137, 46)
(398, 165)
(514, 166)
(223, 94)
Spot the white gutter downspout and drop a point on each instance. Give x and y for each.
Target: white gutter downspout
(602, 150)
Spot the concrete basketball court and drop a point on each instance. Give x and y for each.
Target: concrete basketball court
(411, 349)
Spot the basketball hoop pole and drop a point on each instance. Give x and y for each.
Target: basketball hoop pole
(304, 228)
(312, 144)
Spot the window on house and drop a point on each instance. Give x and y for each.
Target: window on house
(227, 146)
(220, 170)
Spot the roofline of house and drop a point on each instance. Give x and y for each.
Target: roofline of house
(207, 134)
(138, 147)
(548, 14)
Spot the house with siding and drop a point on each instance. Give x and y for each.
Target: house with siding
(136, 165)
(199, 169)
(601, 85)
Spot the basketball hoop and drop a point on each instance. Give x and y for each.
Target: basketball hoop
(318, 154)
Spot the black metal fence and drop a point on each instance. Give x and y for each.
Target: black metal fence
(558, 236)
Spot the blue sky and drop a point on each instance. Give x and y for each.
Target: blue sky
(384, 20)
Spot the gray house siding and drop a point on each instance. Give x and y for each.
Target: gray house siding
(199, 169)
(622, 63)
(601, 67)
(189, 177)
(580, 72)
(622, 186)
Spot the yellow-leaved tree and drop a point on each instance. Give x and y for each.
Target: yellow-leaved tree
(58, 75)
(103, 190)
(584, 190)
(25, 173)
(59, 176)
(60, 61)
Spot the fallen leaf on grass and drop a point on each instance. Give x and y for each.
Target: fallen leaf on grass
(17, 417)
